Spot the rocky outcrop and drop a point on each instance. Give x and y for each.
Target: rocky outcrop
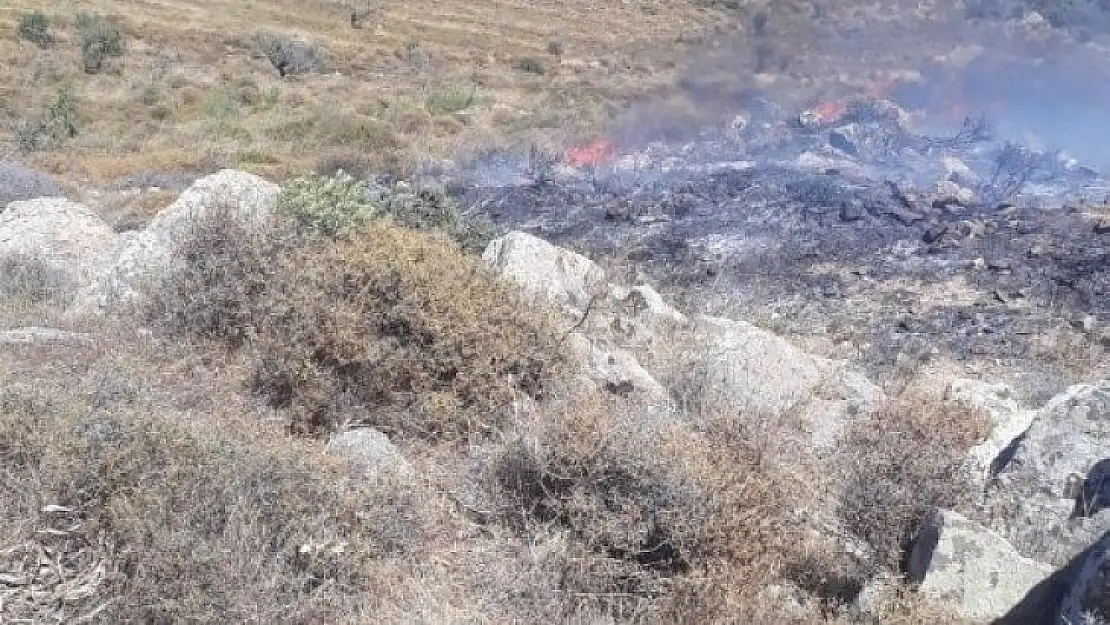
(63, 234)
(141, 258)
(630, 338)
(19, 183)
(560, 276)
(1056, 486)
(961, 563)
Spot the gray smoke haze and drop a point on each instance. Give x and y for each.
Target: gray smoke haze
(1039, 79)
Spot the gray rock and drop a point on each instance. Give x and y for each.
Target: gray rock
(750, 369)
(370, 451)
(543, 269)
(1009, 421)
(1055, 480)
(19, 183)
(614, 369)
(141, 258)
(961, 563)
(65, 235)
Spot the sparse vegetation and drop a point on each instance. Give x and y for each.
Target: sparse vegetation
(185, 518)
(100, 38)
(290, 56)
(32, 281)
(35, 27)
(661, 519)
(51, 128)
(903, 463)
(451, 100)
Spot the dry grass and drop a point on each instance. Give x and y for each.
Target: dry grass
(403, 79)
(32, 291)
(149, 513)
(902, 463)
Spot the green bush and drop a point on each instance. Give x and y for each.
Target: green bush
(35, 27)
(100, 39)
(431, 209)
(328, 206)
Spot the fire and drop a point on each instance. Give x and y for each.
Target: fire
(829, 112)
(591, 154)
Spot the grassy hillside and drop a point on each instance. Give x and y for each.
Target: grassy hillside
(193, 88)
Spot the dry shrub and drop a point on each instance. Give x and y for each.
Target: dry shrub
(33, 280)
(661, 519)
(172, 519)
(405, 325)
(902, 463)
(217, 280)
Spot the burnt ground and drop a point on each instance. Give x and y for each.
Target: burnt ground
(971, 249)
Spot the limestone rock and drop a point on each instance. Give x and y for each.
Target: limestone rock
(1058, 477)
(614, 369)
(975, 570)
(751, 369)
(543, 269)
(141, 258)
(56, 231)
(1009, 420)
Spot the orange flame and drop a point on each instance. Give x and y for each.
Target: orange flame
(592, 154)
(829, 112)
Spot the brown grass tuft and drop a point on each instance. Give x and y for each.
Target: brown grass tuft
(902, 463)
(661, 518)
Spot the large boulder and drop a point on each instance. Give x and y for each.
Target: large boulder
(974, 570)
(142, 257)
(540, 268)
(63, 234)
(1052, 497)
(19, 183)
(748, 368)
(615, 370)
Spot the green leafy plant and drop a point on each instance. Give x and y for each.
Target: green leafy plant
(326, 205)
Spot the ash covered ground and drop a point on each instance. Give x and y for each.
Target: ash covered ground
(908, 189)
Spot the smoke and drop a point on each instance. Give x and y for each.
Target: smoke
(1039, 80)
